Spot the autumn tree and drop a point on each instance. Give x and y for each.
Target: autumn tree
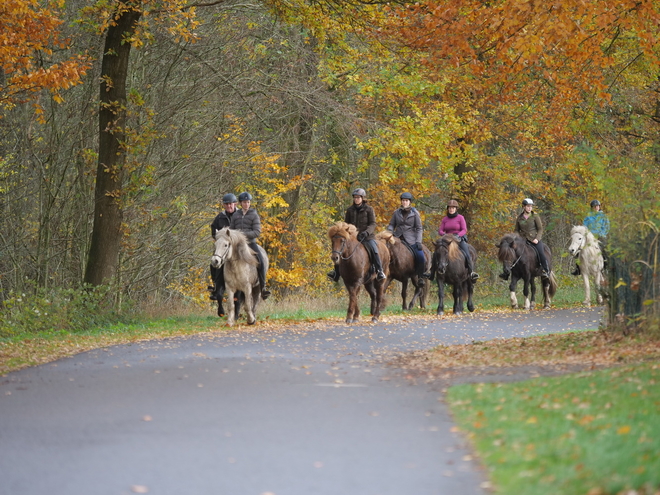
(29, 35)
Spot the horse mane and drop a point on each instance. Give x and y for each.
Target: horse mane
(582, 230)
(453, 251)
(343, 229)
(240, 245)
(386, 236)
(506, 251)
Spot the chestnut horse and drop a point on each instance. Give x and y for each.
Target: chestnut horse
(521, 261)
(449, 268)
(352, 260)
(402, 268)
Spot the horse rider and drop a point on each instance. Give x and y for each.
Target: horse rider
(454, 223)
(247, 220)
(222, 220)
(529, 226)
(363, 217)
(406, 224)
(599, 225)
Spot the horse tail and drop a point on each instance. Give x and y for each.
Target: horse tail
(552, 290)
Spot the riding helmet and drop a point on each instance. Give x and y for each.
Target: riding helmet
(452, 202)
(229, 198)
(245, 196)
(527, 201)
(595, 202)
(406, 195)
(360, 192)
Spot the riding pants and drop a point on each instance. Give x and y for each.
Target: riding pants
(540, 251)
(261, 269)
(218, 277)
(372, 249)
(466, 252)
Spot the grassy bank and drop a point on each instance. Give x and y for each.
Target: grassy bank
(590, 433)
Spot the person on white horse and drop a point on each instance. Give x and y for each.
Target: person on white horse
(222, 219)
(599, 225)
(248, 221)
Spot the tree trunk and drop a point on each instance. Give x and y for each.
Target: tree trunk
(102, 263)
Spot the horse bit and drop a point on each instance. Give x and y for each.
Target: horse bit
(343, 245)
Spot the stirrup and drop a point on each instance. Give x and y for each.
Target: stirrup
(264, 293)
(504, 276)
(576, 271)
(381, 275)
(474, 276)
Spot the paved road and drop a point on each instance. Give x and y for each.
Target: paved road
(306, 411)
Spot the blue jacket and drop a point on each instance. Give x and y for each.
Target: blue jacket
(597, 223)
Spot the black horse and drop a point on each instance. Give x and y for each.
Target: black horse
(449, 268)
(520, 260)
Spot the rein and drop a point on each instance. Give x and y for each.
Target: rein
(343, 245)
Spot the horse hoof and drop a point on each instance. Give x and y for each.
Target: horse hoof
(251, 322)
(374, 320)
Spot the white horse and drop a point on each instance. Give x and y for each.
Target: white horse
(240, 262)
(584, 247)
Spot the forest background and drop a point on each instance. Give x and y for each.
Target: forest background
(122, 124)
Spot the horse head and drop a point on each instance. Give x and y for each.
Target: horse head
(579, 240)
(340, 233)
(223, 248)
(509, 250)
(446, 251)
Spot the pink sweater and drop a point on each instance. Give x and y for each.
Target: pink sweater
(454, 225)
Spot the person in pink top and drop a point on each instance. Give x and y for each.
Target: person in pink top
(454, 223)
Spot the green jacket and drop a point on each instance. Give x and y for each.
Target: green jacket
(530, 228)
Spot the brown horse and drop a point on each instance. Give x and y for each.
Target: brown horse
(352, 260)
(402, 268)
(449, 268)
(521, 261)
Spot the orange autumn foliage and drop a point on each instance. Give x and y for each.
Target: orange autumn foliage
(29, 36)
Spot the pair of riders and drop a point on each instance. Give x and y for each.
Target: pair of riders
(248, 221)
(406, 224)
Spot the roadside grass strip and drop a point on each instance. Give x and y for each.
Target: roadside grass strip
(590, 433)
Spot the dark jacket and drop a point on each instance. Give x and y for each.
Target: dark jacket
(222, 220)
(247, 222)
(408, 227)
(363, 218)
(530, 228)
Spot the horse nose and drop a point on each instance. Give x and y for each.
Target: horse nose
(335, 258)
(215, 262)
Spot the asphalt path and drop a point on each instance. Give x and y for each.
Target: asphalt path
(310, 410)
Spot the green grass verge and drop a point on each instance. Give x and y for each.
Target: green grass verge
(590, 433)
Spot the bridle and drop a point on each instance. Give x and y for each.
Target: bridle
(343, 246)
(223, 257)
(582, 245)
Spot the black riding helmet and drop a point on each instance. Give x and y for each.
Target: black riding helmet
(229, 198)
(406, 195)
(595, 202)
(245, 196)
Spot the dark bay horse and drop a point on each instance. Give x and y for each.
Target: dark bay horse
(354, 265)
(240, 261)
(402, 268)
(449, 268)
(521, 261)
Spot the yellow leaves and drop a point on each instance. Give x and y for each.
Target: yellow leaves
(623, 430)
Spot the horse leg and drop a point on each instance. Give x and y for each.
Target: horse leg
(529, 304)
(512, 292)
(598, 280)
(441, 297)
(470, 291)
(231, 312)
(379, 294)
(545, 284)
(418, 283)
(371, 288)
(458, 298)
(587, 288)
(404, 294)
(353, 313)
